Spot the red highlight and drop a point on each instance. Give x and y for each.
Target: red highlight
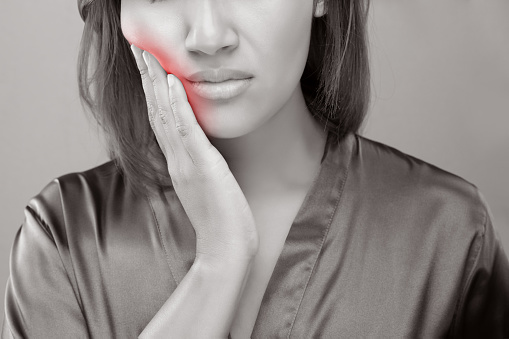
(141, 36)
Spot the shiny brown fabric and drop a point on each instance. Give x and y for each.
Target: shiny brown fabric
(384, 245)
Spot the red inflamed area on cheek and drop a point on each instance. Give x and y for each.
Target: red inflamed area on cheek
(199, 106)
(179, 68)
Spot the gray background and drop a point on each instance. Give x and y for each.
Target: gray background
(440, 93)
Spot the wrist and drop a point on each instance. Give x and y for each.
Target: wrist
(224, 262)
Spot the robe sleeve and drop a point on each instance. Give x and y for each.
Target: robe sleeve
(39, 299)
(483, 308)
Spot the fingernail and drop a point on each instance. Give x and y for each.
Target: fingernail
(134, 50)
(146, 57)
(134, 53)
(171, 80)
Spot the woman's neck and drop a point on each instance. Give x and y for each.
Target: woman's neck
(282, 154)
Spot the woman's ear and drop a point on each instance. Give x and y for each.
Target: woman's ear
(320, 8)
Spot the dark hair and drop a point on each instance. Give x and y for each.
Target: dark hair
(335, 83)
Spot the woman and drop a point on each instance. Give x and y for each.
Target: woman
(247, 205)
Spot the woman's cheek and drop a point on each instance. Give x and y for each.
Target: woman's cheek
(142, 36)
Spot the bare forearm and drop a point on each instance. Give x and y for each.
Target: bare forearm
(204, 303)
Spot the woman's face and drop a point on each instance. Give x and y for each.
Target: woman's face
(267, 39)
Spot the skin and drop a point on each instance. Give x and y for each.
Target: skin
(267, 38)
(266, 136)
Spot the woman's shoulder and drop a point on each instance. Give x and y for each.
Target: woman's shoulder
(418, 186)
(76, 191)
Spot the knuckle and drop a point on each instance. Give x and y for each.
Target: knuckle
(176, 116)
(144, 73)
(152, 76)
(150, 108)
(174, 105)
(163, 113)
(183, 129)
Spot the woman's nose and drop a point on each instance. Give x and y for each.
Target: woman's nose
(209, 32)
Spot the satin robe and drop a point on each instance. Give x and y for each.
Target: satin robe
(383, 245)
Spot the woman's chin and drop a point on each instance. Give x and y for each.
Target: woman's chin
(224, 124)
(226, 120)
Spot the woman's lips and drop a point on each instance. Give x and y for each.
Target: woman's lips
(220, 90)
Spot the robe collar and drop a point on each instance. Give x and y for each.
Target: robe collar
(301, 249)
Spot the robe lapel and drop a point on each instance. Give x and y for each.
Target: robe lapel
(301, 249)
(177, 234)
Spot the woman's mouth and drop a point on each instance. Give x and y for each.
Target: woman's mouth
(220, 90)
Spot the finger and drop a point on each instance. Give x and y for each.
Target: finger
(193, 138)
(160, 87)
(144, 74)
(150, 99)
(152, 105)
